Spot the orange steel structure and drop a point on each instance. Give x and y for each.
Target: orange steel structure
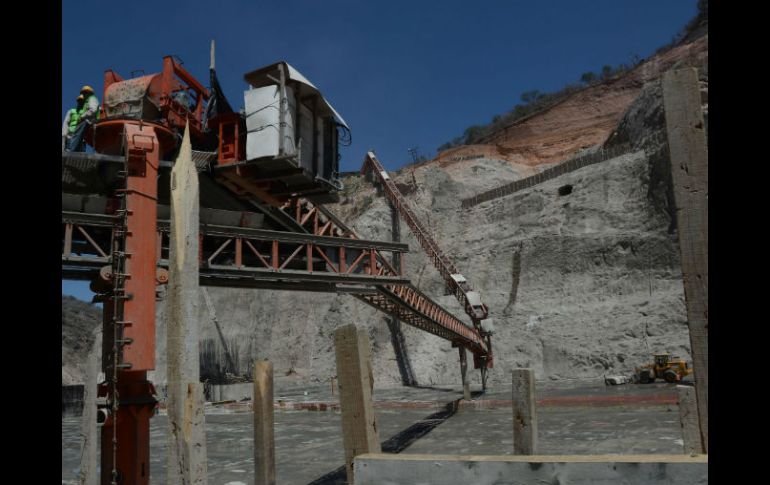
(129, 309)
(129, 317)
(156, 96)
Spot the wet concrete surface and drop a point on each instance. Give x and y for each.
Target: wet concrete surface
(444, 393)
(309, 444)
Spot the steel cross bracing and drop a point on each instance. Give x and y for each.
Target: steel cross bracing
(402, 301)
(238, 256)
(470, 299)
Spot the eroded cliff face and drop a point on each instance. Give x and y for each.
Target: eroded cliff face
(81, 328)
(584, 118)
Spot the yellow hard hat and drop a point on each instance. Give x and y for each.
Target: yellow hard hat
(86, 89)
(80, 98)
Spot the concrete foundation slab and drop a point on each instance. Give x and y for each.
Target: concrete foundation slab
(385, 469)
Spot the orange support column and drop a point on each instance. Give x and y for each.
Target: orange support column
(129, 347)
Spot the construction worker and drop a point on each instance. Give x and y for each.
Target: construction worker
(71, 121)
(87, 115)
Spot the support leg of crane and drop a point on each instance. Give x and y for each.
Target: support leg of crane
(129, 317)
(464, 373)
(132, 423)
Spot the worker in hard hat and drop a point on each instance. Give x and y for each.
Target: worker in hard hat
(87, 116)
(71, 121)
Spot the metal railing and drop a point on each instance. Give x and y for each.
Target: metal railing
(570, 165)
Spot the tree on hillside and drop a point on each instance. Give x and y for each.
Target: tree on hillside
(587, 77)
(472, 134)
(519, 110)
(530, 97)
(457, 141)
(703, 8)
(533, 101)
(701, 17)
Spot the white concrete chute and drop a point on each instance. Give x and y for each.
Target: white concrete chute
(268, 75)
(290, 124)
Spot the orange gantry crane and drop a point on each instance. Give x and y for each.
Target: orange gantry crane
(118, 243)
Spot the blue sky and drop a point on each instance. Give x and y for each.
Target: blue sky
(401, 73)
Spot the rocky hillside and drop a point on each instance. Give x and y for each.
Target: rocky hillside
(585, 118)
(79, 320)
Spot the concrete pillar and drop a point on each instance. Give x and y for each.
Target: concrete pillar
(524, 412)
(689, 171)
(88, 451)
(264, 431)
(354, 371)
(688, 418)
(187, 436)
(413, 469)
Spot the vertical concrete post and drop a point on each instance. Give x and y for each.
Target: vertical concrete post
(524, 412)
(264, 431)
(187, 436)
(688, 418)
(464, 373)
(87, 475)
(395, 230)
(354, 372)
(689, 171)
(211, 61)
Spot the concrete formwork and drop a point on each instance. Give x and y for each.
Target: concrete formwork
(385, 469)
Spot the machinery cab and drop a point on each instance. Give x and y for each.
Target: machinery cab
(168, 100)
(664, 366)
(286, 143)
(661, 360)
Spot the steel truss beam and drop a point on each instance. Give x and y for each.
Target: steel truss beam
(244, 257)
(415, 308)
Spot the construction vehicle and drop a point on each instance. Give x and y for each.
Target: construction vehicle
(664, 366)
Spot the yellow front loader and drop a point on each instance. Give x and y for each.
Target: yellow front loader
(664, 366)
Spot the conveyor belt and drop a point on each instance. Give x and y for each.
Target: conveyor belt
(470, 299)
